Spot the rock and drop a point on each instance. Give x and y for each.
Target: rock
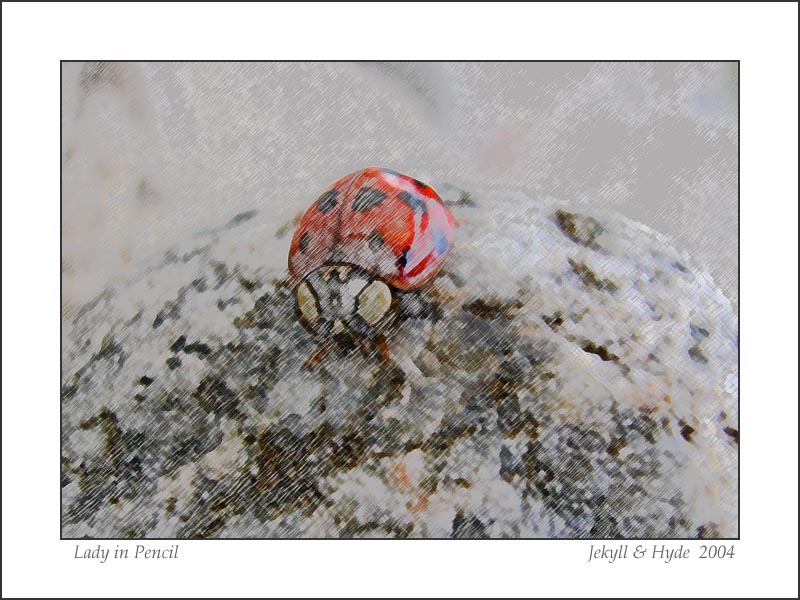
(566, 375)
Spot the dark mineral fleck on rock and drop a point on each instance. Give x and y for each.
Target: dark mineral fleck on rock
(197, 348)
(697, 332)
(697, 354)
(178, 344)
(579, 228)
(553, 321)
(213, 395)
(733, 433)
(590, 279)
(687, 431)
(468, 527)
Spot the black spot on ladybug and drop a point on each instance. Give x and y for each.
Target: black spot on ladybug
(416, 204)
(368, 198)
(419, 183)
(375, 241)
(327, 201)
(402, 260)
(303, 243)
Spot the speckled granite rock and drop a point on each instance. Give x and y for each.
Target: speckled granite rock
(567, 376)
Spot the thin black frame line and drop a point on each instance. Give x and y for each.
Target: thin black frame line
(396, 61)
(738, 316)
(739, 295)
(61, 297)
(709, 541)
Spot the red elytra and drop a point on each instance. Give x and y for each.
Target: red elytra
(382, 221)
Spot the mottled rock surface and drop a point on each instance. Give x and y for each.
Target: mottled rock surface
(565, 376)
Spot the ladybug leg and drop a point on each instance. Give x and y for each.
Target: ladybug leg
(365, 347)
(379, 347)
(383, 349)
(317, 356)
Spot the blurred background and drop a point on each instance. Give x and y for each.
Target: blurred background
(155, 152)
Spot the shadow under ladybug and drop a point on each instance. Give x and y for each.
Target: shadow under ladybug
(349, 309)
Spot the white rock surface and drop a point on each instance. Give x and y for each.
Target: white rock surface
(574, 376)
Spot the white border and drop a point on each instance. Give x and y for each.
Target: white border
(36, 37)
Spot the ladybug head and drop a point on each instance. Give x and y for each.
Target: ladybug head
(343, 302)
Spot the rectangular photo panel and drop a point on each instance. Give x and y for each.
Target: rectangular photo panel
(399, 300)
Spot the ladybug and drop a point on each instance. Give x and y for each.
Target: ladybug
(371, 236)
